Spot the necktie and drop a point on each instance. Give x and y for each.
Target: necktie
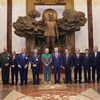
(56, 55)
(78, 56)
(13, 58)
(23, 54)
(66, 57)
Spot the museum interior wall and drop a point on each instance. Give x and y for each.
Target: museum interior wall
(19, 9)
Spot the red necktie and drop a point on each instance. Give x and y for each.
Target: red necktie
(56, 55)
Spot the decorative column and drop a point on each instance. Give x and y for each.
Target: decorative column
(9, 25)
(90, 24)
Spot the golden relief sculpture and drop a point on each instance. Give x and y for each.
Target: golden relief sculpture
(39, 1)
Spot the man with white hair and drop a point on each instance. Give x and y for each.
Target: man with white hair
(23, 61)
(35, 65)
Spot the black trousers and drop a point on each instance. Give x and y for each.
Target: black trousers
(5, 75)
(14, 72)
(68, 74)
(97, 71)
(35, 73)
(78, 70)
(87, 77)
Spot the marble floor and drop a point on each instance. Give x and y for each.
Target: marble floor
(51, 91)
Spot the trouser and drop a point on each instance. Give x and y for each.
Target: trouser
(97, 70)
(68, 74)
(87, 77)
(23, 74)
(35, 73)
(57, 74)
(50, 42)
(5, 74)
(79, 71)
(47, 73)
(14, 72)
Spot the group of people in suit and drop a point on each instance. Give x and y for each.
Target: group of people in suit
(88, 62)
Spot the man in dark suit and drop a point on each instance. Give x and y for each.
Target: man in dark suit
(5, 64)
(77, 65)
(67, 63)
(23, 61)
(14, 68)
(87, 66)
(35, 62)
(57, 64)
(96, 64)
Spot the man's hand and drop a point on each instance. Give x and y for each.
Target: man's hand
(34, 65)
(25, 66)
(46, 65)
(12, 66)
(52, 67)
(63, 67)
(19, 66)
(90, 68)
(6, 65)
(73, 67)
(82, 67)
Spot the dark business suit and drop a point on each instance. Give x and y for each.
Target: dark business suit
(57, 63)
(22, 61)
(96, 66)
(67, 63)
(35, 59)
(14, 69)
(87, 65)
(77, 62)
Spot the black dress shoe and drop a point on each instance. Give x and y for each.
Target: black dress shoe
(25, 83)
(70, 82)
(21, 84)
(93, 81)
(55, 82)
(59, 82)
(85, 81)
(16, 84)
(80, 82)
(12, 84)
(75, 82)
(34, 83)
(97, 81)
(38, 83)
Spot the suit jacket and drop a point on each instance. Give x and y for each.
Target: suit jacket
(87, 61)
(57, 62)
(13, 61)
(68, 62)
(95, 60)
(35, 60)
(78, 62)
(23, 61)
